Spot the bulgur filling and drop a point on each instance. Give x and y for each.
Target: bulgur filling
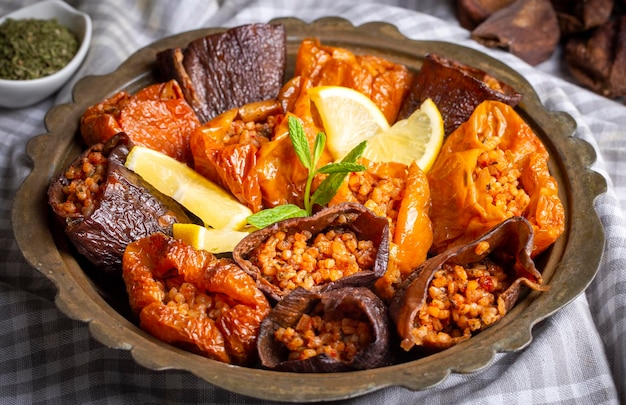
(301, 260)
(381, 195)
(335, 333)
(460, 300)
(186, 300)
(502, 181)
(250, 132)
(86, 178)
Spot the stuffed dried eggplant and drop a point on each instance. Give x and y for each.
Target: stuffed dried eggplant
(335, 330)
(103, 206)
(248, 61)
(491, 168)
(157, 117)
(344, 245)
(191, 299)
(466, 289)
(457, 89)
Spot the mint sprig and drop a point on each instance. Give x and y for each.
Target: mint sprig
(267, 217)
(336, 171)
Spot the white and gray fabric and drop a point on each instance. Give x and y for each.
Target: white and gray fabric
(578, 355)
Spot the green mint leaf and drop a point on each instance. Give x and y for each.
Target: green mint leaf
(300, 142)
(329, 187)
(355, 153)
(318, 148)
(327, 190)
(267, 217)
(341, 167)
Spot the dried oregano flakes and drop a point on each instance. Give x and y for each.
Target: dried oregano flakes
(34, 48)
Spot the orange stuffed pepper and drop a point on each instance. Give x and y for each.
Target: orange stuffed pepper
(490, 168)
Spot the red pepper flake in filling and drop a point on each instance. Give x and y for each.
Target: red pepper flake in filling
(460, 301)
(335, 334)
(289, 261)
(85, 180)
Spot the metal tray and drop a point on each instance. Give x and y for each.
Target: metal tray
(568, 266)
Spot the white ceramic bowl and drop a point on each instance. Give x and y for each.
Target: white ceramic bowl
(22, 93)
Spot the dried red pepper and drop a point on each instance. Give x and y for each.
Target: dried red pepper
(193, 300)
(383, 81)
(157, 117)
(264, 171)
(225, 148)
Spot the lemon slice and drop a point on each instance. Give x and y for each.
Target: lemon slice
(349, 117)
(212, 240)
(417, 138)
(216, 207)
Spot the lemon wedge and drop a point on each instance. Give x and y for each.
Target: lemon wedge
(417, 138)
(212, 240)
(349, 117)
(216, 207)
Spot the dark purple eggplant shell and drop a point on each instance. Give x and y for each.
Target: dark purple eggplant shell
(510, 245)
(455, 88)
(287, 313)
(360, 220)
(248, 60)
(129, 209)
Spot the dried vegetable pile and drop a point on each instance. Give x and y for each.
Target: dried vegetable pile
(337, 257)
(591, 33)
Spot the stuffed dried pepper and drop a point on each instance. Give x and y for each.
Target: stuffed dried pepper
(194, 300)
(491, 168)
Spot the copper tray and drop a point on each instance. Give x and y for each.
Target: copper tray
(568, 266)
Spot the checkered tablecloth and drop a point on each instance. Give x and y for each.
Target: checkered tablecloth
(577, 355)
